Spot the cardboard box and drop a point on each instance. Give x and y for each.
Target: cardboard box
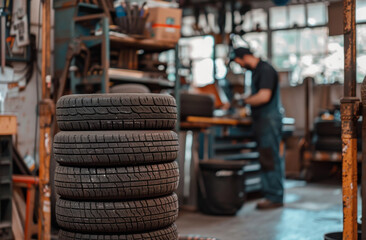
(8, 125)
(164, 24)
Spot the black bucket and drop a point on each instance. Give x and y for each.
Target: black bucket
(338, 236)
(221, 187)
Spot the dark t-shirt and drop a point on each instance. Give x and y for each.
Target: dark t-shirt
(266, 77)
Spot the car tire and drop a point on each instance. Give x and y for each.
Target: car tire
(170, 233)
(115, 148)
(129, 111)
(117, 217)
(121, 183)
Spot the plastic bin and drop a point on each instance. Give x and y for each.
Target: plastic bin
(221, 185)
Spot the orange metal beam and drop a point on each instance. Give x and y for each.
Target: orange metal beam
(46, 111)
(349, 113)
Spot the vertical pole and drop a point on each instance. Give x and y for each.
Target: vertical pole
(177, 87)
(269, 37)
(46, 47)
(308, 86)
(46, 111)
(106, 53)
(363, 181)
(349, 23)
(2, 40)
(349, 116)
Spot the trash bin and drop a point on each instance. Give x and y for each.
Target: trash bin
(221, 185)
(338, 236)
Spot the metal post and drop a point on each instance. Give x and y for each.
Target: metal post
(349, 23)
(349, 115)
(2, 39)
(363, 182)
(46, 111)
(308, 89)
(177, 86)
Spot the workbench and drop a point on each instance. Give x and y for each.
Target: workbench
(8, 128)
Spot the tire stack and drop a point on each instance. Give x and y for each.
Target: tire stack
(116, 172)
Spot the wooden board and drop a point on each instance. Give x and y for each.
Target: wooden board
(8, 125)
(145, 44)
(219, 121)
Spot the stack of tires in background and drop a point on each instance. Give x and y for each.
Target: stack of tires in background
(117, 172)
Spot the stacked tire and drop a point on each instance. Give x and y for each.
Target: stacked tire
(116, 172)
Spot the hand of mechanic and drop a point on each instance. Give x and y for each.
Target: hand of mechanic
(238, 100)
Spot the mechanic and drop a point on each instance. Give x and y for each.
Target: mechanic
(267, 111)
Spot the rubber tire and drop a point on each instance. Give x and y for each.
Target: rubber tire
(331, 144)
(170, 233)
(128, 111)
(115, 148)
(327, 128)
(129, 88)
(117, 217)
(117, 183)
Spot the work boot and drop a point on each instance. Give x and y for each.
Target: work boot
(267, 204)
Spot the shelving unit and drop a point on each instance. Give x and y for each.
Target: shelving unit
(7, 129)
(90, 24)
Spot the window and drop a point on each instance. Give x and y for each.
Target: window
(198, 53)
(300, 51)
(313, 41)
(317, 14)
(361, 52)
(278, 18)
(360, 11)
(253, 18)
(297, 15)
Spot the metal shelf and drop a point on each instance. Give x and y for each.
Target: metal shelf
(230, 146)
(146, 80)
(144, 44)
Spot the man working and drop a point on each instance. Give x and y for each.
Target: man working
(267, 124)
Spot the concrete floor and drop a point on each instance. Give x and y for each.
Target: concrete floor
(310, 211)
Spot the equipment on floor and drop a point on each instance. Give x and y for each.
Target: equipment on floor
(221, 186)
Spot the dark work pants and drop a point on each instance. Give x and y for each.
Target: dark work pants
(268, 131)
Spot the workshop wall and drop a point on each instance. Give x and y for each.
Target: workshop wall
(24, 103)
